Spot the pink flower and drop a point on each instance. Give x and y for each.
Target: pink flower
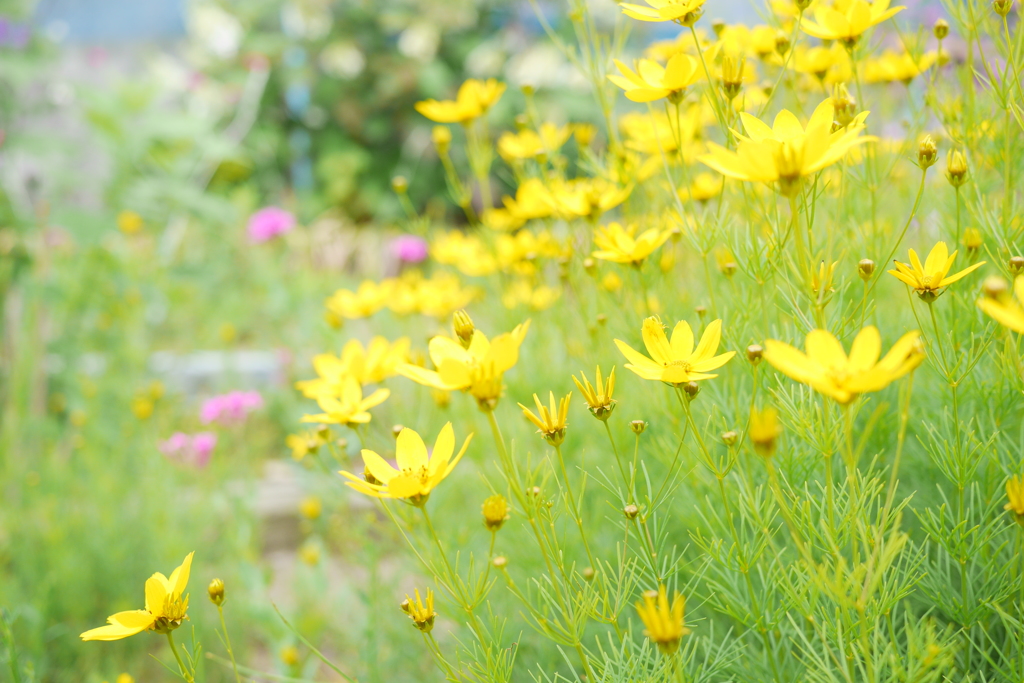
(409, 248)
(230, 408)
(202, 447)
(192, 450)
(268, 223)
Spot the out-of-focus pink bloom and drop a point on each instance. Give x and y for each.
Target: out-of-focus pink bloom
(409, 248)
(269, 222)
(194, 450)
(230, 408)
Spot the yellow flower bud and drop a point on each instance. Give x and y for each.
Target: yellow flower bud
(399, 184)
(631, 511)
(442, 137)
(956, 168)
(216, 592)
(463, 326)
(927, 152)
(754, 353)
(638, 426)
(1016, 264)
(865, 267)
(495, 510)
(941, 29)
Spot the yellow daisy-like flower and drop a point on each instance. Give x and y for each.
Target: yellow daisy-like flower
(664, 623)
(166, 608)
(684, 12)
(622, 245)
(652, 81)
(369, 298)
(472, 101)
(846, 24)
(477, 369)
(928, 279)
(550, 421)
(599, 400)
(787, 152)
(676, 362)
(374, 363)
(418, 473)
(828, 370)
(348, 406)
(1003, 308)
(528, 144)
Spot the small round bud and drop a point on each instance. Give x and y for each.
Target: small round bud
(691, 389)
(216, 592)
(1016, 264)
(701, 311)
(781, 43)
(528, 90)
(495, 511)
(844, 105)
(718, 26)
(1002, 7)
(499, 562)
(631, 511)
(463, 326)
(973, 239)
(290, 656)
(730, 438)
(589, 573)
(396, 430)
(601, 318)
(589, 265)
(956, 168)
(442, 137)
(521, 121)
(754, 353)
(941, 29)
(399, 184)
(927, 152)
(535, 491)
(801, 5)
(638, 426)
(995, 287)
(865, 268)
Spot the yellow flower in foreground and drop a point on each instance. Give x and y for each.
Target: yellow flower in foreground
(664, 623)
(928, 279)
(348, 406)
(676, 362)
(472, 101)
(550, 421)
(764, 430)
(417, 474)
(847, 26)
(477, 369)
(828, 370)
(1015, 492)
(599, 400)
(684, 12)
(166, 608)
(652, 81)
(787, 152)
(622, 245)
(1002, 308)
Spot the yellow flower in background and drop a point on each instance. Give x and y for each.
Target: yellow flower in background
(664, 623)
(587, 197)
(928, 279)
(347, 406)
(129, 222)
(125, 678)
(311, 507)
(418, 473)
(290, 653)
(1015, 494)
(652, 81)
(549, 420)
(477, 369)
(705, 186)
(676, 362)
(369, 298)
(599, 400)
(764, 430)
(897, 67)
(532, 200)
(472, 101)
(166, 608)
(523, 293)
(143, 407)
(787, 152)
(468, 253)
(684, 12)
(846, 21)
(622, 245)
(420, 611)
(370, 365)
(999, 305)
(305, 443)
(527, 144)
(827, 369)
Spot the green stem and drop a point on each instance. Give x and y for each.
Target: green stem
(227, 643)
(181, 665)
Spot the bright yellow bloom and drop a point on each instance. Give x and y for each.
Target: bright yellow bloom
(928, 279)
(828, 370)
(420, 611)
(676, 362)
(787, 152)
(846, 21)
(418, 473)
(621, 244)
(166, 608)
(347, 406)
(599, 400)
(652, 81)
(532, 200)
(664, 623)
(550, 421)
(369, 365)
(472, 101)
(684, 12)
(528, 144)
(1004, 309)
(1015, 493)
(764, 430)
(477, 369)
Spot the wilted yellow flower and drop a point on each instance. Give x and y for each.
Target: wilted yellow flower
(828, 370)
(676, 362)
(472, 101)
(621, 244)
(652, 81)
(822, 279)
(972, 239)
(1004, 309)
(664, 623)
(417, 474)
(1015, 493)
(347, 406)
(129, 222)
(764, 430)
(846, 23)
(166, 608)
(599, 400)
(420, 611)
(928, 279)
(550, 421)
(684, 12)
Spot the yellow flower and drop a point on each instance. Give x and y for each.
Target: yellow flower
(472, 101)
(828, 370)
(420, 611)
(1003, 309)
(586, 197)
(676, 362)
(528, 144)
(787, 152)
(664, 623)
(1015, 493)
(928, 279)
(846, 24)
(495, 512)
(142, 407)
(311, 507)
(166, 608)
(347, 406)
(611, 282)
(305, 443)
(764, 430)
(684, 12)
(417, 474)
(362, 303)
(621, 244)
(652, 81)
(125, 678)
(899, 67)
(550, 421)
(129, 222)
(822, 280)
(290, 655)
(705, 186)
(599, 400)
(477, 369)
(371, 365)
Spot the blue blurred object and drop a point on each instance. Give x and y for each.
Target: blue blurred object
(102, 21)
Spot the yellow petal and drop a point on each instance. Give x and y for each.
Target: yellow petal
(708, 341)
(824, 348)
(682, 340)
(654, 339)
(865, 349)
(179, 577)
(410, 451)
(380, 468)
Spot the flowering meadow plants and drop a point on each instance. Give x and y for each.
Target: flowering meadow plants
(722, 383)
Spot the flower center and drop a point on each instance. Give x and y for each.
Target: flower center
(680, 364)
